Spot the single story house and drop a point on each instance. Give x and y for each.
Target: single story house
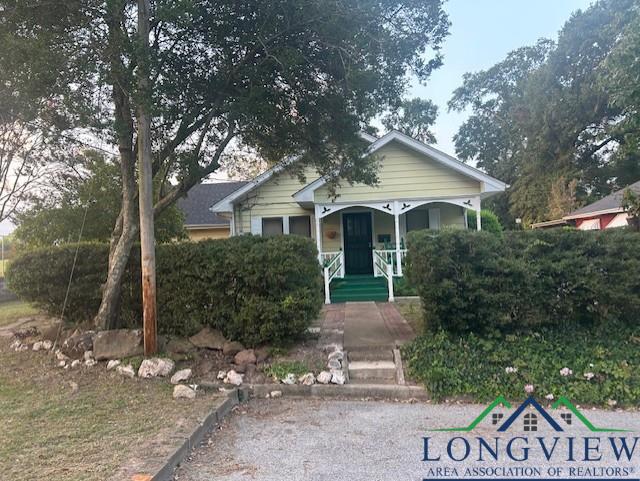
(360, 233)
(605, 213)
(199, 222)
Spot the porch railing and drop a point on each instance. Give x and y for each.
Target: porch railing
(333, 266)
(390, 256)
(382, 265)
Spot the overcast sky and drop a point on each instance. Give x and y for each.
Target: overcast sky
(482, 32)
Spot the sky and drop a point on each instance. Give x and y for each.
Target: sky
(482, 32)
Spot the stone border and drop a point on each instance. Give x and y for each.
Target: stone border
(388, 392)
(166, 472)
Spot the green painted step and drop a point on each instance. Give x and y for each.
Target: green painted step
(359, 288)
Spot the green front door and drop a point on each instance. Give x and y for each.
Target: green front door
(357, 243)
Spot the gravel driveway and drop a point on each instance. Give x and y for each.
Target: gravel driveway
(284, 439)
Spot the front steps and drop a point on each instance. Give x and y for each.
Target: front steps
(359, 288)
(373, 365)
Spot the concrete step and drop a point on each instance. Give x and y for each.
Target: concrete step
(372, 370)
(370, 354)
(365, 382)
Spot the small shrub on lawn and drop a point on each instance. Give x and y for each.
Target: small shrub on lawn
(255, 290)
(604, 365)
(279, 370)
(480, 282)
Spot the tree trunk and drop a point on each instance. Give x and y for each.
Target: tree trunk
(126, 229)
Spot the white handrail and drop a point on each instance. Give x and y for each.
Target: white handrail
(331, 270)
(391, 257)
(386, 269)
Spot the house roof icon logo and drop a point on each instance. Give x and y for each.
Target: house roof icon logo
(531, 402)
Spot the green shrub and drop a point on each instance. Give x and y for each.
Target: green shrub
(253, 289)
(605, 365)
(489, 221)
(476, 281)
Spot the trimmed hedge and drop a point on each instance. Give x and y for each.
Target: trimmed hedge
(255, 290)
(480, 282)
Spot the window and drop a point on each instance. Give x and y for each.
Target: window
(566, 417)
(417, 219)
(271, 226)
(496, 417)
(300, 225)
(530, 422)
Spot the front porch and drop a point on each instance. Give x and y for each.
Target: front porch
(362, 247)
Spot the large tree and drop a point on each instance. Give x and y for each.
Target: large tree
(84, 198)
(543, 117)
(284, 77)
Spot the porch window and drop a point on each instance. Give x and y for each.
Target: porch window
(271, 226)
(417, 219)
(300, 225)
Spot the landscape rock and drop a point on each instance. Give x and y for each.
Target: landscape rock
(334, 364)
(221, 375)
(307, 379)
(231, 348)
(62, 363)
(338, 377)
(155, 367)
(234, 378)
(37, 346)
(289, 379)
(262, 354)
(324, 377)
(90, 362)
(181, 376)
(183, 392)
(208, 338)
(60, 356)
(75, 363)
(339, 355)
(245, 357)
(127, 371)
(88, 355)
(179, 345)
(275, 394)
(117, 343)
(112, 364)
(76, 345)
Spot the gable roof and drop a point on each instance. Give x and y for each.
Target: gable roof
(199, 199)
(491, 184)
(607, 205)
(305, 194)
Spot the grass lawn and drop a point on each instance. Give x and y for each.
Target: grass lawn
(11, 311)
(85, 423)
(411, 310)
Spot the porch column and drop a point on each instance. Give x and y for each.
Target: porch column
(318, 234)
(396, 218)
(478, 216)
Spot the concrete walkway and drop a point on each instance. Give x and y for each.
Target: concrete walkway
(370, 324)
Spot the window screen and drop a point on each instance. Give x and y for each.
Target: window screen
(272, 226)
(300, 225)
(417, 219)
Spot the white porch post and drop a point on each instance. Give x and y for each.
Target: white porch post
(396, 218)
(478, 216)
(318, 234)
